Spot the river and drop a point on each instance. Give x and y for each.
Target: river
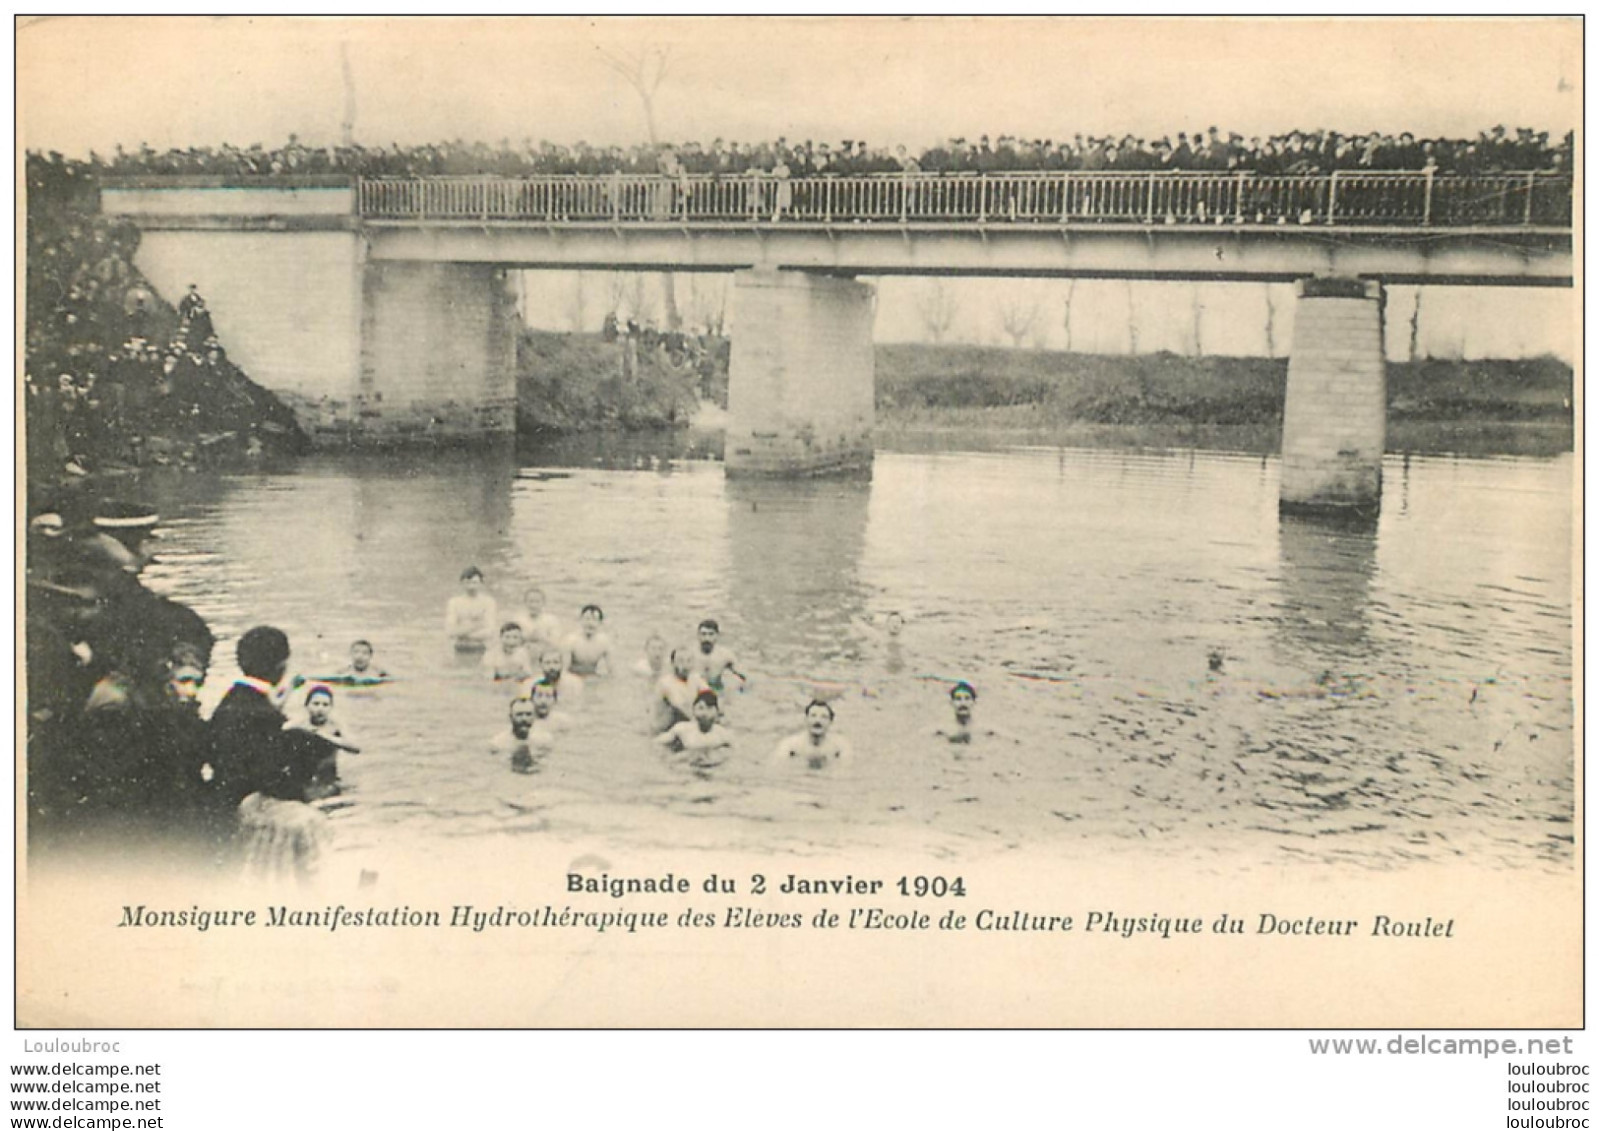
(1172, 667)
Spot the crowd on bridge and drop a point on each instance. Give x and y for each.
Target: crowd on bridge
(1204, 149)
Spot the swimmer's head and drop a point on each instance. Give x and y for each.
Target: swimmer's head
(534, 600)
(552, 661)
(894, 624)
(360, 655)
(818, 717)
(263, 653)
(682, 662)
(523, 712)
(962, 696)
(591, 617)
(319, 704)
(706, 708)
(545, 695)
(655, 649)
(709, 632)
(510, 635)
(472, 579)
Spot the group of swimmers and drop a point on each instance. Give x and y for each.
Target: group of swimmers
(547, 668)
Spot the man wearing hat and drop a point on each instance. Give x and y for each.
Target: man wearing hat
(136, 630)
(119, 536)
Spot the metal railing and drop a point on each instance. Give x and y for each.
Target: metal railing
(1423, 199)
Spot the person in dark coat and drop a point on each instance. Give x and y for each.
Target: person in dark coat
(260, 775)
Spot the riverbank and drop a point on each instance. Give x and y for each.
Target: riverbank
(116, 378)
(1165, 388)
(569, 384)
(572, 383)
(930, 394)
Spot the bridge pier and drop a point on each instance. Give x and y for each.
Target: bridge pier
(1335, 415)
(800, 385)
(438, 353)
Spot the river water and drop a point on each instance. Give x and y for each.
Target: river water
(1170, 666)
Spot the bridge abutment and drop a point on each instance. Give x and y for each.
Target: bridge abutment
(1335, 415)
(801, 383)
(365, 352)
(438, 353)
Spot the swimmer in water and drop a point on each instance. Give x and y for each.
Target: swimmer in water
(547, 721)
(676, 692)
(704, 732)
(963, 702)
(962, 698)
(470, 618)
(716, 660)
(517, 744)
(539, 628)
(320, 722)
(588, 647)
(510, 660)
(814, 747)
(652, 664)
(319, 719)
(552, 671)
(360, 668)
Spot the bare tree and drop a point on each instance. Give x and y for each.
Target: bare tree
(1271, 322)
(1017, 319)
(347, 124)
(577, 301)
(937, 305)
(615, 290)
(644, 71)
(1415, 327)
(1066, 319)
(1199, 323)
(1132, 320)
(707, 298)
(637, 308)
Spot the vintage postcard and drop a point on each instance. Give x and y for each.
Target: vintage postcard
(777, 522)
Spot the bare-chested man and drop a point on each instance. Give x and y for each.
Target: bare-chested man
(471, 618)
(676, 692)
(815, 747)
(588, 648)
(716, 660)
(516, 744)
(539, 628)
(552, 671)
(704, 732)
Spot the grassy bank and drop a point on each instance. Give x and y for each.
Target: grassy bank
(930, 392)
(571, 383)
(1164, 388)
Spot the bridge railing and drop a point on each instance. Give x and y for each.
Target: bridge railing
(1423, 199)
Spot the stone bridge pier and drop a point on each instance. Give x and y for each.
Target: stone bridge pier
(801, 388)
(1335, 415)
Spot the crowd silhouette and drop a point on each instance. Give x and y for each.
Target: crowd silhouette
(1204, 149)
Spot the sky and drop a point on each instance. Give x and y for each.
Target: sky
(98, 81)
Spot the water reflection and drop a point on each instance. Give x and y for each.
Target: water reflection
(795, 556)
(1327, 565)
(1090, 596)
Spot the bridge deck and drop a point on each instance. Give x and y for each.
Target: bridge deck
(1423, 200)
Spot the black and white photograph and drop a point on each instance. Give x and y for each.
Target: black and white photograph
(953, 522)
